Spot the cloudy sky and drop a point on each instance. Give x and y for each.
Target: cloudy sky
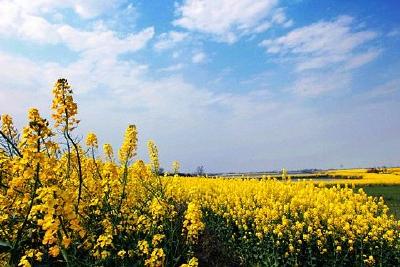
(240, 85)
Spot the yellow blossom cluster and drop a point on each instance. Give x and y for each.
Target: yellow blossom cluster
(193, 262)
(128, 148)
(108, 152)
(193, 223)
(64, 107)
(91, 140)
(7, 127)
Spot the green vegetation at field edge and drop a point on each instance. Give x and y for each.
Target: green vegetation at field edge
(390, 193)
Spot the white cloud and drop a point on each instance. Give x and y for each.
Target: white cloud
(279, 17)
(175, 54)
(174, 67)
(314, 84)
(93, 8)
(38, 29)
(103, 42)
(321, 43)
(13, 22)
(388, 88)
(199, 57)
(347, 61)
(228, 20)
(12, 65)
(362, 59)
(324, 54)
(317, 62)
(169, 40)
(86, 9)
(98, 42)
(262, 27)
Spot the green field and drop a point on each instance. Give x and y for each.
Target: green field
(390, 193)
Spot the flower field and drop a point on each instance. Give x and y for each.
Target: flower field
(64, 202)
(390, 176)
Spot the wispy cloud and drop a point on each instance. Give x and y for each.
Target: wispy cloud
(169, 40)
(103, 42)
(85, 9)
(228, 20)
(172, 68)
(317, 83)
(361, 59)
(388, 88)
(321, 43)
(199, 57)
(17, 20)
(324, 54)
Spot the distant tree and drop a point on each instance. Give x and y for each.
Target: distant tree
(200, 170)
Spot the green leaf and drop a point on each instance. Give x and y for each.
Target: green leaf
(5, 246)
(65, 256)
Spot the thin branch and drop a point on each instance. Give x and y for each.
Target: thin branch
(80, 175)
(11, 143)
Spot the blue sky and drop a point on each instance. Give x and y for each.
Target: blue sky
(240, 85)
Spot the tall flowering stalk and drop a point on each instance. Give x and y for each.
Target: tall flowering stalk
(92, 143)
(284, 174)
(175, 167)
(126, 153)
(129, 145)
(153, 155)
(64, 114)
(108, 152)
(64, 107)
(158, 187)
